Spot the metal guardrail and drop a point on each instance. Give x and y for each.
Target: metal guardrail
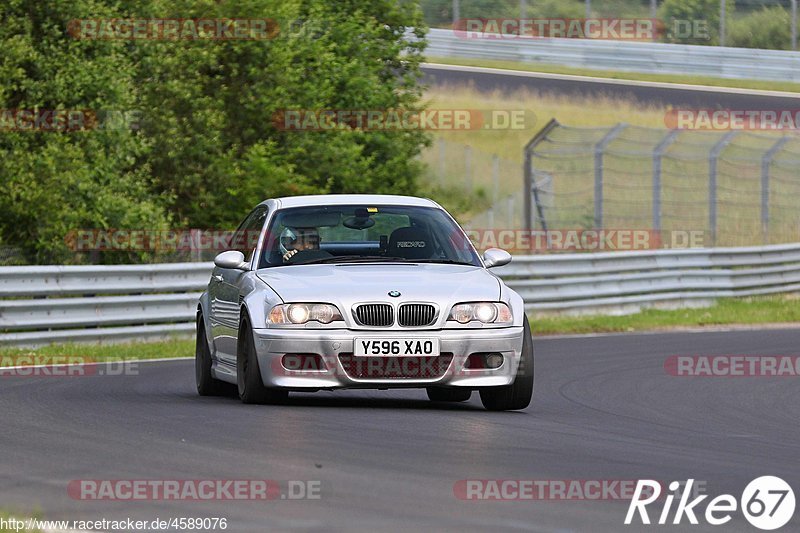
(628, 281)
(42, 305)
(656, 58)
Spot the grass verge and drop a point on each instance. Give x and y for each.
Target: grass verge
(730, 311)
(600, 110)
(620, 75)
(177, 347)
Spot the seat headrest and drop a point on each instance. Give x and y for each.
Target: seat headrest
(410, 243)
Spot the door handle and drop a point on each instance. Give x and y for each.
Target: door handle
(217, 277)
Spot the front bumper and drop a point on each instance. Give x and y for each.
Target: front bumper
(272, 344)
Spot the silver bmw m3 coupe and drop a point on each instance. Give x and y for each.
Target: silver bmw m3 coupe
(361, 291)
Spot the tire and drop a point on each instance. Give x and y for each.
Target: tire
(248, 374)
(518, 394)
(441, 394)
(207, 385)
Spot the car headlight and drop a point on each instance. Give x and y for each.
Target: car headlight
(291, 314)
(485, 312)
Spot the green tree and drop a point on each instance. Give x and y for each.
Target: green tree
(692, 10)
(210, 105)
(53, 182)
(207, 148)
(767, 28)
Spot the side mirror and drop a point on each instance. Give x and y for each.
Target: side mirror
(495, 257)
(231, 259)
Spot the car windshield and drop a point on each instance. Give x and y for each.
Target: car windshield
(364, 234)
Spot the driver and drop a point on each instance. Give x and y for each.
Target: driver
(295, 240)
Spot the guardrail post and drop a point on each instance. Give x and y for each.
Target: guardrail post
(716, 150)
(658, 153)
(599, 148)
(765, 163)
(527, 176)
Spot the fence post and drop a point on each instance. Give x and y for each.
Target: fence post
(599, 148)
(495, 178)
(527, 176)
(765, 163)
(442, 150)
(658, 153)
(794, 24)
(714, 154)
(468, 167)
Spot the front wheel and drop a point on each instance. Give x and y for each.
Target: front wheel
(206, 384)
(518, 394)
(248, 373)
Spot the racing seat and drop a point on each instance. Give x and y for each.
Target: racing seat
(410, 243)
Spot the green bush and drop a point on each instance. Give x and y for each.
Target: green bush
(207, 149)
(690, 10)
(768, 28)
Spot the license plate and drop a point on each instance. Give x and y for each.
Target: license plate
(395, 347)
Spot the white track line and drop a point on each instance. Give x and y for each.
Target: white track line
(613, 81)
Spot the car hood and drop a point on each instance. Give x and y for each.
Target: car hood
(348, 284)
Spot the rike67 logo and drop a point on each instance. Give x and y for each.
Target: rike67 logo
(767, 503)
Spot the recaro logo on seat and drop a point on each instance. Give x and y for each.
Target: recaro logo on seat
(767, 503)
(411, 244)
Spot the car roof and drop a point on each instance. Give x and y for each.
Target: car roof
(347, 199)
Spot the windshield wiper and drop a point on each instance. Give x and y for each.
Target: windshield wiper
(353, 259)
(441, 261)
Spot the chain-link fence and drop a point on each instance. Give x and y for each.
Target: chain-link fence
(480, 178)
(734, 188)
(737, 187)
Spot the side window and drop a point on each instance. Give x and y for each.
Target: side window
(245, 239)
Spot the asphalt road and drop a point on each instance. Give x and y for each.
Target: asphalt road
(603, 408)
(642, 93)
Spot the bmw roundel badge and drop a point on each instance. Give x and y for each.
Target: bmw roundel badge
(394, 294)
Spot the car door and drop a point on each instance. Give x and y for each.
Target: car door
(226, 295)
